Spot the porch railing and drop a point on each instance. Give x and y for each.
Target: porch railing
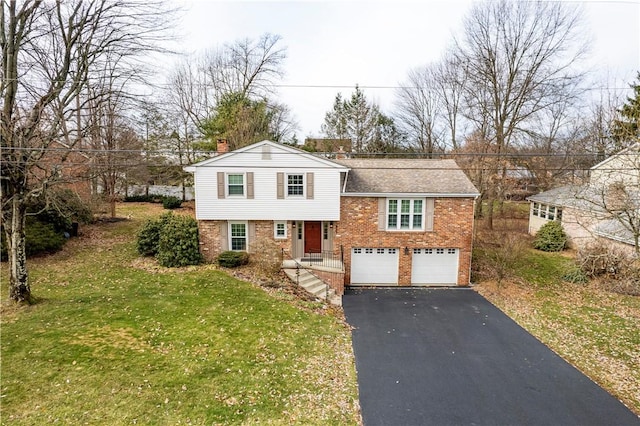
(331, 259)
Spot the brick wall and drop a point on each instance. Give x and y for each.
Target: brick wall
(210, 239)
(335, 280)
(209, 235)
(452, 228)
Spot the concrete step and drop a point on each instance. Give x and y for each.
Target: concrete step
(317, 288)
(313, 285)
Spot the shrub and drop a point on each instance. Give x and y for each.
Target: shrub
(266, 256)
(60, 209)
(39, 238)
(599, 259)
(233, 259)
(628, 282)
(550, 237)
(149, 235)
(576, 276)
(139, 198)
(42, 238)
(171, 203)
(495, 258)
(178, 244)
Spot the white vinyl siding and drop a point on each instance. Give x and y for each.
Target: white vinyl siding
(405, 214)
(325, 204)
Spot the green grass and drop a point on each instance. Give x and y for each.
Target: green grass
(595, 330)
(112, 344)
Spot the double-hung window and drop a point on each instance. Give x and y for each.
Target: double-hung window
(238, 233)
(280, 230)
(235, 185)
(295, 185)
(405, 214)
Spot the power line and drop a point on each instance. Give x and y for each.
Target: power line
(353, 155)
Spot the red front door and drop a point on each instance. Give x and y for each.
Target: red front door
(312, 234)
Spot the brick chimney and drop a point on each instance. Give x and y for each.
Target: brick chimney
(222, 146)
(341, 154)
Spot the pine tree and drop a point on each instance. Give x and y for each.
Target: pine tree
(626, 130)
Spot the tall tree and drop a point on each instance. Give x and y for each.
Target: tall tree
(243, 121)
(206, 85)
(362, 122)
(519, 61)
(51, 52)
(419, 110)
(626, 129)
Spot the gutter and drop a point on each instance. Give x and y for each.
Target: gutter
(410, 194)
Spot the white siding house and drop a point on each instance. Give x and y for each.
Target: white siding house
(267, 181)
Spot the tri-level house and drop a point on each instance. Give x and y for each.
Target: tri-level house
(389, 222)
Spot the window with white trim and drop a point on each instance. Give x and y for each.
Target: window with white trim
(405, 214)
(548, 212)
(280, 230)
(295, 185)
(235, 185)
(238, 236)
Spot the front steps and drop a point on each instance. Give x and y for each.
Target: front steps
(313, 285)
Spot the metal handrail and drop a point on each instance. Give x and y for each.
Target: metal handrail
(300, 266)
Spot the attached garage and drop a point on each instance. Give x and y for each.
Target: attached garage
(370, 266)
(434, 266)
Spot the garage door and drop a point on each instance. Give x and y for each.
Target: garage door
(374, 266)
(434, 266)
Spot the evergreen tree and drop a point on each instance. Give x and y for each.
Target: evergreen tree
(242, 121)
(362, 122)
(627, 129)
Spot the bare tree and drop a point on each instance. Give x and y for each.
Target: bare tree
(246, 69)
(419, 110)
(249, 67)
(519, 59)
(51, 51)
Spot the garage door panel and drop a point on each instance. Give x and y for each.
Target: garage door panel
(434, 266)
(371, 266)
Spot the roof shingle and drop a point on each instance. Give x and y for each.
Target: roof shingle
(406, 176)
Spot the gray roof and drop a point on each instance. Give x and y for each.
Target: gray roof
(614, 229)
(406, 176)
(563, 196)
(584, 197)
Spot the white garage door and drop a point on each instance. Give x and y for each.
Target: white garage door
(434, 266)
(374, 266)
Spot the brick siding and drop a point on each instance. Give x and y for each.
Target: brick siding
(452, 228)
(358, 227)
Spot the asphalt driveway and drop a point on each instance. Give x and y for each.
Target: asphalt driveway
(449, 357)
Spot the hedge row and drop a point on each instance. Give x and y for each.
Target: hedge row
(169, 202)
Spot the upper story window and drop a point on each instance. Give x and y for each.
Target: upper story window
(295, 185)
(405, 214)
(235, 185)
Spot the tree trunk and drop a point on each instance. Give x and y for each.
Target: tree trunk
(490, 203)
(19, 290)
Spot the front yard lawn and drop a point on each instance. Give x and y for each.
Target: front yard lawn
(112, 343)
(595, 330)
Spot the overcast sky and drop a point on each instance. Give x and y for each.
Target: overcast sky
(343, 43)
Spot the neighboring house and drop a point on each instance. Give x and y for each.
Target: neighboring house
(392, 221)
(68, 168)
(607, 208)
